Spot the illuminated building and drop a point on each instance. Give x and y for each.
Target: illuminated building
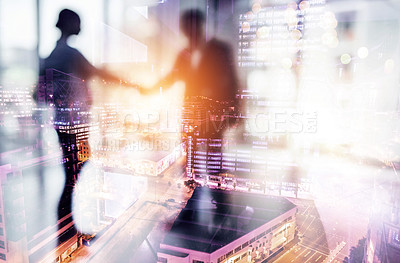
(194, 113)
(220, 226)
(215, 159)
(149, 154)
(66, 96)
(154, 163)
(102, 195)
(145, 163)
(81, 132)
(16, 104)
(223, 164)
(29, 227)
(215, 155)
(383, 239)
(107, 117)
(280, 27)
(123, 189)
(204, 119)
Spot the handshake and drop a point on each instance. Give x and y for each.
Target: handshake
(109, 78)
(142, 90)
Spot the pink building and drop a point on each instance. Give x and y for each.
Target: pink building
(31, 183)
(226, 226)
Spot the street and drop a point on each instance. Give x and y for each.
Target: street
(128, 234)
(328, 226)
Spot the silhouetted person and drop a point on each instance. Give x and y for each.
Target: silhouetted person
(69, 60)
(206, 67)
(208, 70)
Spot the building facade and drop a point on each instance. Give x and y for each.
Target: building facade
(383, 238)
(30, 192)
(232, 227)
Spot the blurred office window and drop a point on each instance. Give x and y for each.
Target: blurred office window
(18, 61)
(91, 14)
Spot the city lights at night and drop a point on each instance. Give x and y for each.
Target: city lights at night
(200, 131)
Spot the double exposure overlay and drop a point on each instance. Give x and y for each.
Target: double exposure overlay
(200, 131)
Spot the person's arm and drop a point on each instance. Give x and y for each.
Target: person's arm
(108, 77)
(89, 71)
(174, 75)
(165, 82)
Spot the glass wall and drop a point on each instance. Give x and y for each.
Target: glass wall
(316, 104)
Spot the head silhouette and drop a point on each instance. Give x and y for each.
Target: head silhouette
(69, 22)
(191, 23)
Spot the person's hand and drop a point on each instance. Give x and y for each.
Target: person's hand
(129, 84)
(147, 90)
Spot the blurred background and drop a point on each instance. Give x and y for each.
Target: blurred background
(319, 95)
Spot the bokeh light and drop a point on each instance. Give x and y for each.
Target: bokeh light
(362, 52)
(345, 59)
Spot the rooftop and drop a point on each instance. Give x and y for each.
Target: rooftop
(149, 155)
(173, 253)
(214, 218)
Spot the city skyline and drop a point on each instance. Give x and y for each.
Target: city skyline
(200, 131)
